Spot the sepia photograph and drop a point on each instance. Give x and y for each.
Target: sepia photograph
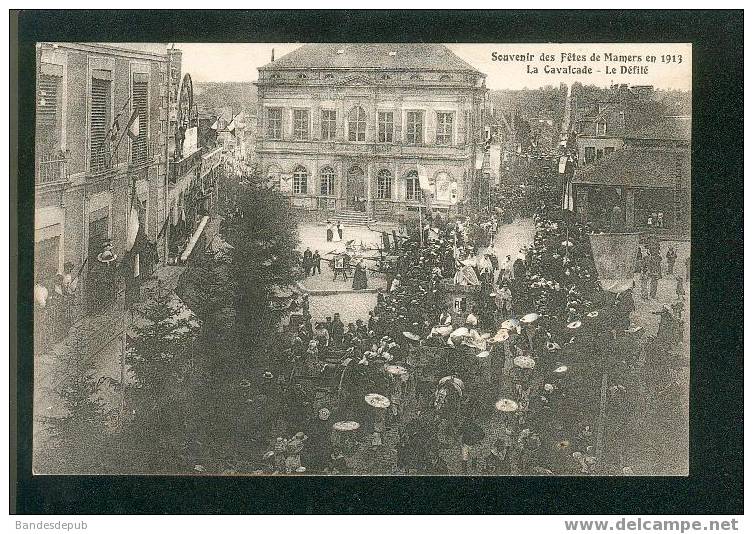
(362, 259)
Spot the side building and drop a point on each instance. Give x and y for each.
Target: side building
(350, 131)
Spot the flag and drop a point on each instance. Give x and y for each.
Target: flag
(563, 164)
(423, 178)
(231, 126)
(568, 202)
(479, 159)
(133, 125)
(216, 124)
(133, 220)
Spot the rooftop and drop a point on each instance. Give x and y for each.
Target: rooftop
(366, 56)
(677, 128)
(638, 167)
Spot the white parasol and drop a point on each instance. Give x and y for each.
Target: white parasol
(506, 405)
(524, 362)
(377, 401)
(346, 426)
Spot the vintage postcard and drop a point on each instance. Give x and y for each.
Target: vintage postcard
(362, 259)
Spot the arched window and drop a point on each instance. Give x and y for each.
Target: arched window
(384, 184)
(327, 181)
(302, 76)
(412, 186)
(357, 124)
(415, 77)
(445, 78)
(300, 181)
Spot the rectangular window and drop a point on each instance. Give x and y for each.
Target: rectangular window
(49, 129)
(589, 154)
(415, 127)
(140, 105)
(99, 123)
(608, 150)
(412, 188)
(599, 153)
(329, 124)
(300, 124)
(601, 128)
(274, 123)
(444, 128)
(386, 126)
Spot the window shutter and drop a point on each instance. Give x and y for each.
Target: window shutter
(47, 100)
(138, 145)
(100, 112)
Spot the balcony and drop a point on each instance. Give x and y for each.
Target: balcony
(52, 169)
(102, 160)
(183, 166)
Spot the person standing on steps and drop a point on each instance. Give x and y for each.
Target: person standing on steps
(330, 232)
(340, 230)
(316, 263)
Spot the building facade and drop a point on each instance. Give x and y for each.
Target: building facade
(85, 167)
(106, 120)
(357, 127)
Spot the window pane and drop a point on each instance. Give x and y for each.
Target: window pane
(357, 124)
(300, 181)
(415, 127)
(444, 128)
(99, 123)
(300, 124)
(327, 186)
(384, 185)
(329, 124)
(138, 145)
(274, 123)
(386, 127)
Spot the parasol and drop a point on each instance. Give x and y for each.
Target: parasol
(574, 325)
(560, 369)
(346, 426)
(502, 335)
(510, 324)
(454, 382)
(412, 336)
(396, 370)
(506, 405)
(529, 318)
(524, 362)
(483, 354)
(592, 314)
(377, 401)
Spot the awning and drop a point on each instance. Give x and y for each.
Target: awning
(194, 239)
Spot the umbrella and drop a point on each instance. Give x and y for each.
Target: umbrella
(524, 362)
(441, 330)
(483, 354)
(510, 324)
(574, 325)
(502, 335)
(506, 405)
(454, 382)
(529, 318)
(345, 426)
(592, 314)
(377, 401)
(560, 369)
(412, 336)
(396, 370)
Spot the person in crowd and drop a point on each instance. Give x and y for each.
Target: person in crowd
(340, 230)
(316, 263)
(359, 276)
(644, 277)
(337, 330)
(307, 257)
(680, 288)
(329, 231)
(654, 273)
(639, 260)
(671, 259)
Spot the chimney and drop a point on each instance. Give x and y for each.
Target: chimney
(273, 55)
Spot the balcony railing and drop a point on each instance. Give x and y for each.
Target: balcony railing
(52, 168)
(102, 160)
(142, 153)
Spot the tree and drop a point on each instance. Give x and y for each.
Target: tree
(161, 369)
(78, 442)
(265, 258)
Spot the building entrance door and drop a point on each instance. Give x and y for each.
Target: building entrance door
(356, 189)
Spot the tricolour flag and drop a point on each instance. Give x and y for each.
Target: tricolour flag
(133, 125)
(423, 178)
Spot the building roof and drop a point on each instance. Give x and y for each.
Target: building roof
(365, 56)
(677, 128)
(638, 167)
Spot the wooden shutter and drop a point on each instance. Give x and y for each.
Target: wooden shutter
(47, 100)
(140, 104)
(100, 122)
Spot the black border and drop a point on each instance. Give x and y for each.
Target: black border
(715, 485)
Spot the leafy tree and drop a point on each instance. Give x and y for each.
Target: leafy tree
(79, 440)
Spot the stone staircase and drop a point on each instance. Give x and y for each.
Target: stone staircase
(353, 218)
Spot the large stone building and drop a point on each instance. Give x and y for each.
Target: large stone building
(348, 128)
